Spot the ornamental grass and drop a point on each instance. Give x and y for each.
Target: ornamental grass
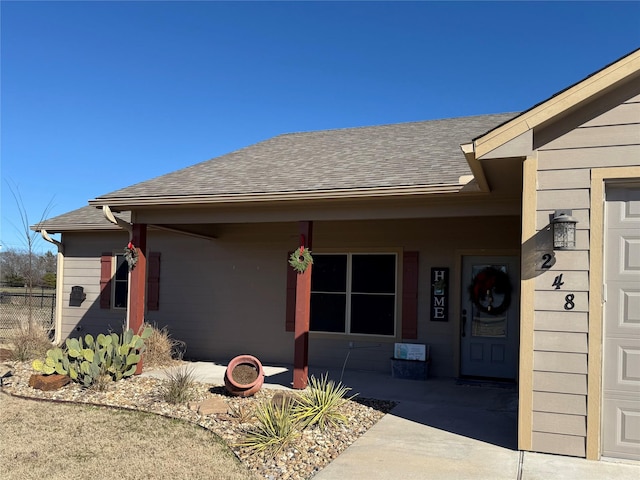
(29, 343)
(178, 388)
(161, 349)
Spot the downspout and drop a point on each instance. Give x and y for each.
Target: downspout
(59, 283)
(108, 214)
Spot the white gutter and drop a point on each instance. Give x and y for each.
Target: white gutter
(59, 283)
(202, 199)
(117, 221)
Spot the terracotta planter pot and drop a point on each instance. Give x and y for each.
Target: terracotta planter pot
(233, 386)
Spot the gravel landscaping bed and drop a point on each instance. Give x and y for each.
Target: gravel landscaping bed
(310, 452)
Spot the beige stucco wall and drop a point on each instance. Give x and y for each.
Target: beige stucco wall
(560, 336)
(226, 296)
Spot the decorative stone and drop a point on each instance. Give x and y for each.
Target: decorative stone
(48, 382)
(5, 354)
(212, 405)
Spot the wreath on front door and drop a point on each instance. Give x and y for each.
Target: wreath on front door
(489, 285)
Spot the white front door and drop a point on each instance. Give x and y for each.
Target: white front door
(621, 349)
(489, 329)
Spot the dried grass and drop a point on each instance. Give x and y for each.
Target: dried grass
(29, 344)
(56, 441)
(161, 349)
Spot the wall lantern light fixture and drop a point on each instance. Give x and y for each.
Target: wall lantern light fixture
(564, 230)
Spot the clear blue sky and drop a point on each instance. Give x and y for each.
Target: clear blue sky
(97, 96)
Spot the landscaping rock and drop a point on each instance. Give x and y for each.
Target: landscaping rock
(5, 354)
(48, 382)
(212, 405)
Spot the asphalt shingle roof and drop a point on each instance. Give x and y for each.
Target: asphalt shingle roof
(405, 154)
(87, 217)
(398, 155)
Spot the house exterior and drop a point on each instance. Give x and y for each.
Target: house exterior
(435, 233)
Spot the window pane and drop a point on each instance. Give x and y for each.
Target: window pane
(372, 314)
(122, 269)
(327, 312)
(329, 273)
(120, 296)
(373, 273)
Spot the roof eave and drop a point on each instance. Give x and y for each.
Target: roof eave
(183, 200)
(60, 228)
(621, 71)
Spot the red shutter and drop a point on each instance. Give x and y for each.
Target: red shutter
(410, 295)
(105, 280)
(153, 281)
(290, 323)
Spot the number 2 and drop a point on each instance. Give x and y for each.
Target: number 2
(547, 257)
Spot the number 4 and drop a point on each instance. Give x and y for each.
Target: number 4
(557, 282)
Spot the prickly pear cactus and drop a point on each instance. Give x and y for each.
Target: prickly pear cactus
(85, 361)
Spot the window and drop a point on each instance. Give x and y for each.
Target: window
(354, 293)
(114, 281)
(120, 282)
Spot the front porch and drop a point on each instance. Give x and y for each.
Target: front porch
(483, 413)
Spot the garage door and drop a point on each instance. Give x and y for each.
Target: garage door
(621, 350)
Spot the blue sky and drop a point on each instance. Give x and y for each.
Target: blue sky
(97, 96)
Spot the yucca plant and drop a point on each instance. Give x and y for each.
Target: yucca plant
(320, 403)
(178, 386)
(242, 413)
(276, 429)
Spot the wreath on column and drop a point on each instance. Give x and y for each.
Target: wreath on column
(301, 259)
(131, 255)
(488, 284)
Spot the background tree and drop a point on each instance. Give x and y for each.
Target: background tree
(29, 238)
(14, 265)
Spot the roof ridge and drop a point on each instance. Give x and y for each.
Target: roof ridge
(406, 123)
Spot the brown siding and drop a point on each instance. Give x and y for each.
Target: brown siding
(83, 266)
(560, 328)
(573, 445)
(106, 261)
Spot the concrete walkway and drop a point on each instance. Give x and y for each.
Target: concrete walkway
(440, 430)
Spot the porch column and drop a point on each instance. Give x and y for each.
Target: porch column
(138, 282)
(303, 304)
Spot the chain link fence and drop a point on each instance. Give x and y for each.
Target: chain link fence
(17, 308)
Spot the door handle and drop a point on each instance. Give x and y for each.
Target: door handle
(464, 322)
